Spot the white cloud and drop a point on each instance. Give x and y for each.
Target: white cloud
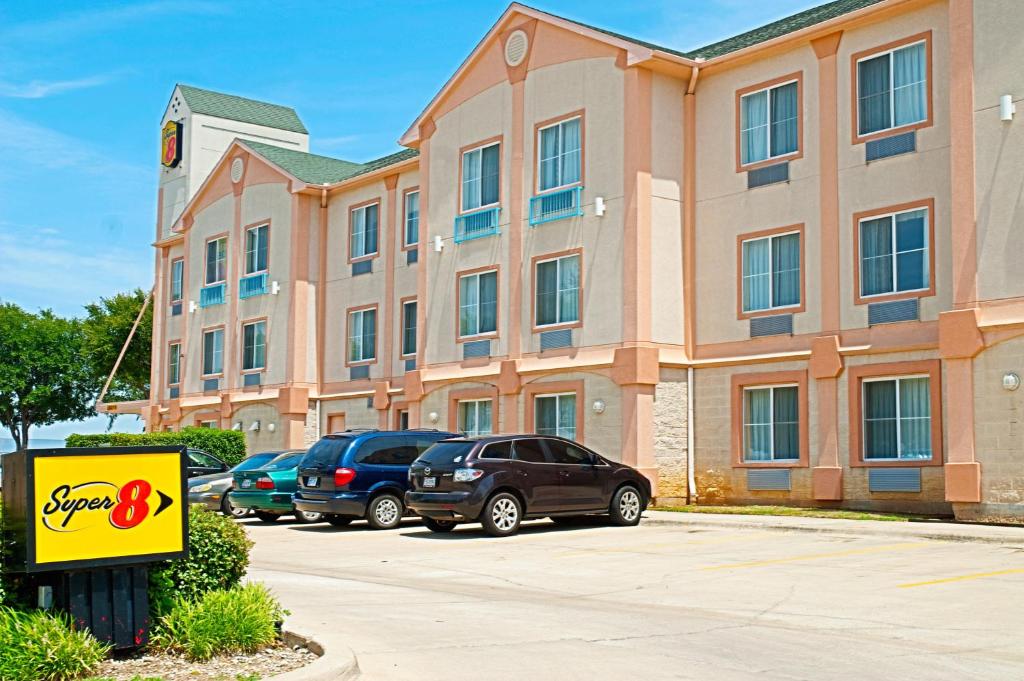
(38, 89)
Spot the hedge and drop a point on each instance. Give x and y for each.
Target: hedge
(226, 445)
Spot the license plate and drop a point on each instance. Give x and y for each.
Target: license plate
(246, 484)
(430, 482)
(312, 481)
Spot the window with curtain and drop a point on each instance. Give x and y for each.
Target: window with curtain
(771, 272)
(560, 154)
(362, 335)
(475, 417)
(412, 219)
(256, 248)
(216, 260)
(892, 89)
(555, 415)
(364, 231)
(177, 279)
(769, 123)
(213, 352)
(771, 423)
(897, 418)
(478, 304)
(254, 346)
(558, 287)
(174, 364)
(409, 328)
(894, 253)
(480, 177)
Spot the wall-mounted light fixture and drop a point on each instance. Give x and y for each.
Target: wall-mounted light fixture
(433, 417)
(1011, 381)
(192, 307)
(255, 426)
(237, 426)
(598, 406)
(1006, 108)
(271, 427)
(275, 287)
(438, 243)
(599, 206)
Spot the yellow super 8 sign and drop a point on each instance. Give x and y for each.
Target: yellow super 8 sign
(107, 507)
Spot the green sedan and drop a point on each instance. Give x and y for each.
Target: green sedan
(268, 491)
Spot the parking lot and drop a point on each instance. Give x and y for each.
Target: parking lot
(670, 599)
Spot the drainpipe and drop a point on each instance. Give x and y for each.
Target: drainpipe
(691, 481)
(318, 436)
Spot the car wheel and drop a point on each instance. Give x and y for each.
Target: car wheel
(229, 509)
(266, 517)
(305, 517)
(385, 512)
(502, 515)
(339, 520)
(439, 525)
(626, 506)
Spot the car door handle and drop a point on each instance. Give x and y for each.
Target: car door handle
(564, 474)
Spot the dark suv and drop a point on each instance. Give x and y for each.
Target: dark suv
(500, 480)
(361, 474)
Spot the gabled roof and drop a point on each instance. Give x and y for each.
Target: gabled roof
(235, 108)
(316, 169)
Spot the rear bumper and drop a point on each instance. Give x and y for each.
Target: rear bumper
(342, 503)
(446, 505)
(279, 502)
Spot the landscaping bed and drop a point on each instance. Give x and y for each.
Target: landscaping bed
(262, 664)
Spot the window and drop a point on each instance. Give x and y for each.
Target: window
(213, 352)
(770, 123)
(364, 231)
(565, 453)
(894, 253)
(216, 260)
(412, 219)
(560, 154)
(388, 451)
(558, 290)
(771, 272)
(556, 415)
(498, 450)
(257, 245)
(254, 346)
(209, 424)
(177, 279)
(362, 335)
(475, 417)
(771, 423)
(480, 177)
(478, 304)
(892, 88)
(897, 418)
(409, 328)
(403, 419)
(530, 450)
(174, 364)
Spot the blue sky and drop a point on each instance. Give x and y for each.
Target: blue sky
(83, 86)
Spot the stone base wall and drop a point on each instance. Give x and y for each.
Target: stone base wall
(670, 436)
(999, 431)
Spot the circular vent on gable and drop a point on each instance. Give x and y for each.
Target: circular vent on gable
(515, 48)
(237, 168)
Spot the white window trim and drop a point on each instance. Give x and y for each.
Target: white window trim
(255, 369)
(895, 261)
(352, 218)
(222, 338)
(558, 423)
(246, 258)
(558, 297)
(174, 353)
(403, 352)
(892, 89)
(462, 180)
(771, 408)
(771, 272)
(478, 333)
(864, 418)
(768, 137)
(561, 153)
(181, 293)
(206, 261)
(348, 339)
(476, 412)
(405, 223)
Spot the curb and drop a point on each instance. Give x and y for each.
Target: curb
(337, 664)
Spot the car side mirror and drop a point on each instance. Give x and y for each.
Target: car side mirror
(594, 460)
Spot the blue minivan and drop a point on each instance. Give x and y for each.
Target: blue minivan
(361, 474)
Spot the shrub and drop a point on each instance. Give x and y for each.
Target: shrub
(38, 645)
(218, 555)
(242, 619)
(226, 445)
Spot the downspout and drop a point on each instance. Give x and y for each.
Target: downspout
(691, 480)
(321, 304)
(689, 263)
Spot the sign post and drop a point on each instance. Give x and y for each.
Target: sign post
(84, 522)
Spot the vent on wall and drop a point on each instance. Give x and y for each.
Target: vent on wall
(560, 338)
(360, 372)
(211, 384)
(251, 379)
(475, 349)
(768, 175)
(515, 48)
(890, 146)
(894, 479)
(763, 479)
(775, 325)
(412, 255)
(893, 311)
(362, 267)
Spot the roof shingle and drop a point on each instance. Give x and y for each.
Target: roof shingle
(235, 108)
(316, 169)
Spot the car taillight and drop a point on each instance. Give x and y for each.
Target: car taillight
(467, 474)
(343, 476)
(264, 483)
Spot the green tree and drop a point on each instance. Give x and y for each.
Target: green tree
(107, 325)
(44, 374)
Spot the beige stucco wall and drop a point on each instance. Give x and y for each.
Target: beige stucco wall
(357, 413)
(262, 440)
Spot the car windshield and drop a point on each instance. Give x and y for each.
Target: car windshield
(285, 461)
(198, 458)
(256, 461)
(447, 453)
(327, 452)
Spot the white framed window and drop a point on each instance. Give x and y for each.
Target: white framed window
(209, 424)
(481, 176)
(771, 272)
(177, 280)
(364, 231)
(362, 335)
(254, 346)
(475, 417)
(216, 260)
(771, 423)
(411, 235)
(892, 88)
(558, 290)
(561, 151)
(770, 123)
(213, 352)
(897, 418)
(409, 328)
(478, 303)
(894, 253)
(174, 364)
(555, 415)
(257, 249)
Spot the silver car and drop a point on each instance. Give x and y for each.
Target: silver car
(212, 490)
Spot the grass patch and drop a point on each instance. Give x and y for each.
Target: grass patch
(789, 511)
(243, 619)
(42, 647)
